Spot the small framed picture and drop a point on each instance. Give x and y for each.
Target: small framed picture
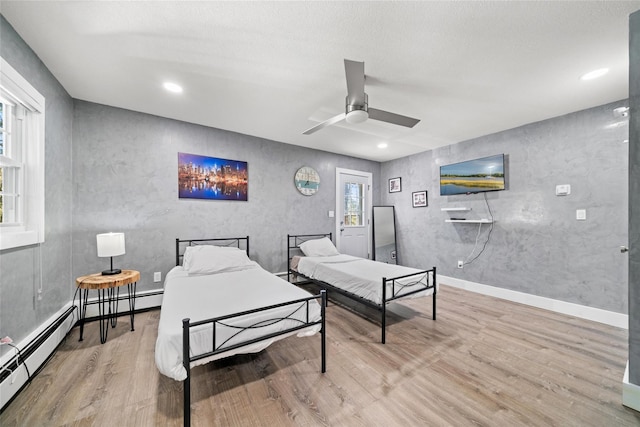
(394, 185)
(419, 199)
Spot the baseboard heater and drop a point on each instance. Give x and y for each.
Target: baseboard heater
(35, 354)
(16, 373)
(92, 310)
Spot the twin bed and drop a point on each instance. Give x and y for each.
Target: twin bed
(214, 272)
(253, 308)
(371, 283)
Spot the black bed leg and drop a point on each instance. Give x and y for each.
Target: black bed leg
(186, 384)
(434, 303)
(435, 289)
(384, 326)
(323, 332)
(384, 309)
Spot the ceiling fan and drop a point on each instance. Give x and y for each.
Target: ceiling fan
(357, 108)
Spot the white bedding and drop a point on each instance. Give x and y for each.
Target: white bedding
(362, 277)
(201, 297)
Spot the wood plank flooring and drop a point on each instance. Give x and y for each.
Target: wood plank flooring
(483, 362)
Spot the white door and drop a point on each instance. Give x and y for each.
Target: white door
(353, 207)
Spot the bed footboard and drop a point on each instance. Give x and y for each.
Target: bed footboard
(422, 281)
(300, 308)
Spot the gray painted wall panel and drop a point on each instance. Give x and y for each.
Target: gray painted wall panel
(22, 270)
(537, 246)
(125, 179)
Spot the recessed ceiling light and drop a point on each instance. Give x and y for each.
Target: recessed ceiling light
(382, 145)
(172, 87)
(594, 74)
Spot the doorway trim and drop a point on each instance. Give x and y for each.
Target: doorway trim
(368, 204)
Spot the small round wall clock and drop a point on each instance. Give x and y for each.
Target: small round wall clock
(307, 180)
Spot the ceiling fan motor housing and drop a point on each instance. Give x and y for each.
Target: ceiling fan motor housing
(357, 113)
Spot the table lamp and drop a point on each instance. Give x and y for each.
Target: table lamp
(110, 245)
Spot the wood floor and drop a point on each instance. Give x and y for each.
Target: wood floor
(483, 362)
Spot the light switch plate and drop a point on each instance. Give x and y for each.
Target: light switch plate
(563, 190)
(157, 276)
(332, 214)
(581, 214)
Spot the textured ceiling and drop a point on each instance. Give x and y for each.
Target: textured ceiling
(274, 69)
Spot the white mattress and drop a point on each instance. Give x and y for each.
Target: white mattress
(203, 297)
(363, 277)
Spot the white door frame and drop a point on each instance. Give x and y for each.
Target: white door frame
(368, 203)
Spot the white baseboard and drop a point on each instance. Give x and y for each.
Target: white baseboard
(611, 318)
(144, 300)
(630, 392)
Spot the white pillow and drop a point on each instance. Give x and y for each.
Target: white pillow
(206, 259)
(319, 247)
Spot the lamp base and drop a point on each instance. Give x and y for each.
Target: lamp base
(111, 272)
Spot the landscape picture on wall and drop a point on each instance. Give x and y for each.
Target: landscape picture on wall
(212, 178)
(473, 176)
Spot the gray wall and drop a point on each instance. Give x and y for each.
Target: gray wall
(537, 246)
(634, 199)
(119, 173)
(125, 167)
(21, 270)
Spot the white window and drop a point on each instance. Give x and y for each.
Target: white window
(353, 204)
(21, 161)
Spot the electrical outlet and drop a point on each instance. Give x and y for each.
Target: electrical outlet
(157, 276)
(460, 263)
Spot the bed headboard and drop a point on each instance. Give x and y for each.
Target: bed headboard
(238, 242)
(295, 240)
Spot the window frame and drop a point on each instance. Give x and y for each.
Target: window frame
(11, 161)
(351, 213)
(30, 228)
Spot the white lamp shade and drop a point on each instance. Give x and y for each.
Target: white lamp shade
(110, 244)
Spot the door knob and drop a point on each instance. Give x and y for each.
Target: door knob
(624, 249)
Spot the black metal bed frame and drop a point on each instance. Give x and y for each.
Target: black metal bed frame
(297, 306)
(293, 244)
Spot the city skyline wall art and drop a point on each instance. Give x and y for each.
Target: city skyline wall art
(212, 178)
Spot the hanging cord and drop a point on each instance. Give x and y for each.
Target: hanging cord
(73, 313)
(24, 363)
(466, 261)
(478, 235)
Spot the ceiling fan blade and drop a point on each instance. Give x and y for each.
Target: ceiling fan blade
(332, 120)
(355, 82)
(394, 118)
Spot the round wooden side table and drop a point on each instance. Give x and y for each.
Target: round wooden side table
(108, 287)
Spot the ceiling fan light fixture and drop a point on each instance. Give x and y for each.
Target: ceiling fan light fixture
(357, 116)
